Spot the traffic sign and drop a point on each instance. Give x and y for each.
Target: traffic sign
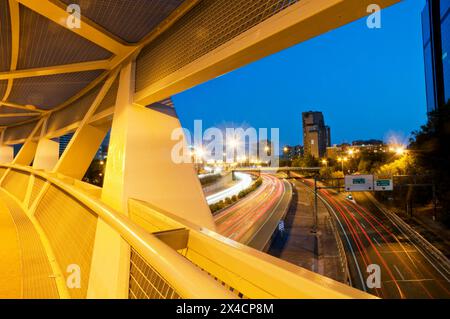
(359, 183)
(384, 184)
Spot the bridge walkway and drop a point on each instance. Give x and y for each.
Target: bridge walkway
(25, 268)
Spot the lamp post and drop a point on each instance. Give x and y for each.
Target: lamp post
(342, 160)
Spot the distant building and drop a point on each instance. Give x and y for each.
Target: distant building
(436, 48)
(345, 149)
(63, 142)
(316, 135)
(367, 142)
(292, 152)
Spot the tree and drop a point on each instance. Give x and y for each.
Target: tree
(305, 161)
(430, 146)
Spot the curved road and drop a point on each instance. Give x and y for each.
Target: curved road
(408, 270)
(244, 219)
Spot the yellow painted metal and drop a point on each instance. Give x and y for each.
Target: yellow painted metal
(6, 154)
(47, 154)
(250, 272)
(58, 15)
(15, 29)
(18, 115)
(28, 150)
(297, 23)
(58, 69)
(140, 163)
(187, 279)
(85, 142)
(29, 108)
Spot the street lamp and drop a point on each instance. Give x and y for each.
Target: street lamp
(325, 162)
(342, 160)
(351, 152)
(400, 150)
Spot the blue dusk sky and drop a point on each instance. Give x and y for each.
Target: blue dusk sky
(369, 83)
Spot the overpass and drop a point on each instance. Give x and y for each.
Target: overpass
(274, 170)
(137, 236)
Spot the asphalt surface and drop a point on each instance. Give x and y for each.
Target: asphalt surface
(243, 220)
(370, 237)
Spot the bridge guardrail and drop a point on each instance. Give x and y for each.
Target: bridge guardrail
(170, 269)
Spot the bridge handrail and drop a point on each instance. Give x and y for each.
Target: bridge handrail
(187, 280)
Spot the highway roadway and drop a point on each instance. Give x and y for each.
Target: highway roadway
(245, 219)
(371, 236)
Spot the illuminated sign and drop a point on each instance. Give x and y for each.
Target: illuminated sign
(359, 183)
(384, 184)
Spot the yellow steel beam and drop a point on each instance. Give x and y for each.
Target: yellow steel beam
(297, 23)
(87, 31)
(59, 69)
(123, 53)
(30, 108)
(15, 34)
(18, 114)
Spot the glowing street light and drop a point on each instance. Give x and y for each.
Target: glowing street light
(400, 150)
(342, 160)
(325, 162)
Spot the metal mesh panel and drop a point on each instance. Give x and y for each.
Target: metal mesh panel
(187, 253)
(110, 97)
(19, 132)
(73, 112)
(8, 110)
(46, 43)
(3, 85)
(16, 183)
(146, 282)
(129, 20)
(207, 26)
(37, 187)
(70, 228)
(5, 38)
(51, 90)
(7, 121)
(38, 280)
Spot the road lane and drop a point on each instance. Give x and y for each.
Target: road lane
(244, 219)
(406, 270)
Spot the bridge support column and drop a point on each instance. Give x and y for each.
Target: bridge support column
(6, 154)
(140, 161)
(28, 150)
(47, 154)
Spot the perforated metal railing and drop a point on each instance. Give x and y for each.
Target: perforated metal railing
(146, 282)
(171, 257)
(207, 26)
(241, 270)
(68, 214)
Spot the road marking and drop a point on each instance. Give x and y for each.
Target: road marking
(400, 274)
(411, 280)
(376, 241)
(398, 251)
(391, 219)
(330, 209)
